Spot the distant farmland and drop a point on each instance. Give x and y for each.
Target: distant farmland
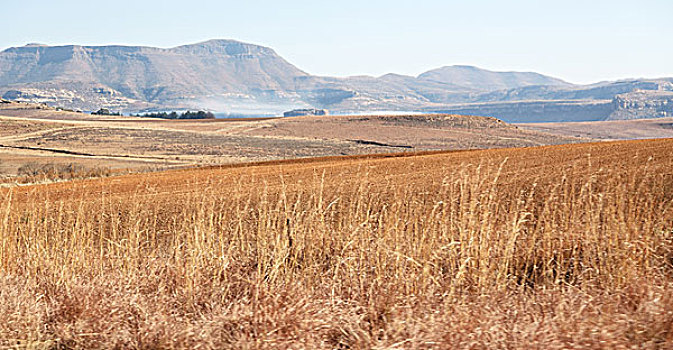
(548, 247)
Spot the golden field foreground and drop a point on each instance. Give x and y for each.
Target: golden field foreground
(550, 247)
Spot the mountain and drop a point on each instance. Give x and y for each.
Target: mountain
(148, 75)
(627, 99)
(484, 80)
(231, 76)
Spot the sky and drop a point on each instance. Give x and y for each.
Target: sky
(578, 41)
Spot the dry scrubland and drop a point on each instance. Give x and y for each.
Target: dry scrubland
(552, 247)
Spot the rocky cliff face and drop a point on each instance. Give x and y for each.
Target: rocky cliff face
(638, 104)
(537, 111)
(642, 104)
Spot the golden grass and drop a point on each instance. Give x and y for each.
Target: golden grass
(551, 247)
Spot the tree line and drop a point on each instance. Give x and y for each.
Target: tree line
(175, 115)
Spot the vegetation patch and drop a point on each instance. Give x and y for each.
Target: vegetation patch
(35, 172)
(175, 115)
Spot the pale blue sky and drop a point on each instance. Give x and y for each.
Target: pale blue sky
(580, 41)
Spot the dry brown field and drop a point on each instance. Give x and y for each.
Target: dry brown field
(31, 134)
(608, 130)
(555, 247)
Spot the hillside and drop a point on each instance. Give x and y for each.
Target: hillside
(548, 247)
(235, 77)
(146, 75)
(219, 74)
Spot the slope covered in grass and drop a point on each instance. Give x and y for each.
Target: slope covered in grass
(550, 247)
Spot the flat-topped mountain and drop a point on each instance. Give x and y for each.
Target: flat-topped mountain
(148, 74)
(231, 76)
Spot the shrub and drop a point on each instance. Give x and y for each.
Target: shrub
(35, 172)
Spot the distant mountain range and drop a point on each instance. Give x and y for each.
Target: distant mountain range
(235, 77)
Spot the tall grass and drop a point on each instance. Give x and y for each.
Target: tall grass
(362, 256)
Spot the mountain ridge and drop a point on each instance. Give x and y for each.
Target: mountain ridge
(484, 79)
(227, 75)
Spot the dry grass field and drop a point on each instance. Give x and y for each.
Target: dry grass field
(556, 247)
(10, 127)
(417, 132)
(45, 136)
(608, 130)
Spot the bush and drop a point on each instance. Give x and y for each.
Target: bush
(34, 172)
(105, 111)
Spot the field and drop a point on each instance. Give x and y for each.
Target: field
(554, 247)
(608, 130)
(40, 136)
